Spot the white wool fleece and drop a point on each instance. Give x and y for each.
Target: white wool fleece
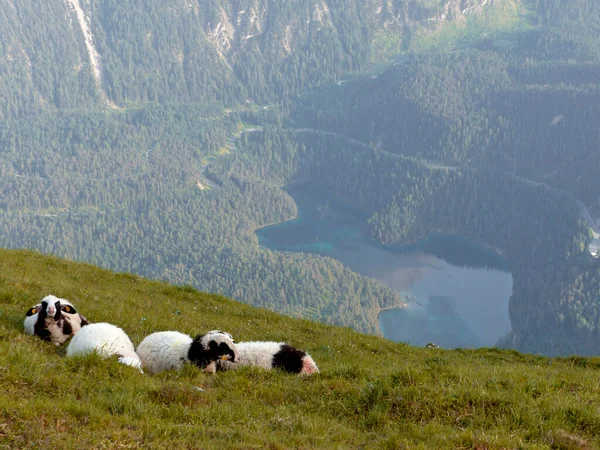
(164, 350)
(104, 338)
(259, 354)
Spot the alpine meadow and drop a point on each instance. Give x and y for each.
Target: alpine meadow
(152, 153)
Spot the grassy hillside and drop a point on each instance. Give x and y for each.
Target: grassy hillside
(371, 393)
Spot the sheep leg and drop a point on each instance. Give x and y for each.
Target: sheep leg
(211, 367)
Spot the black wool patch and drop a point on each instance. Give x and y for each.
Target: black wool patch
(197, 354)
(289, 359)
(67, 329)
(44, 311)
(202, 356)
(39, 329)
(58, 314)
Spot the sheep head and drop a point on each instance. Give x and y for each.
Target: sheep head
(213, 346)
(54, 319)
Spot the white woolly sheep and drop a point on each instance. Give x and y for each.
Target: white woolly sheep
(269, 355)
(54, 320)
(106, 340)
(171, 350)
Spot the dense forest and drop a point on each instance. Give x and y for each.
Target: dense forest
(69, 54)
(155, 138)
(141, 203)
(479, 108)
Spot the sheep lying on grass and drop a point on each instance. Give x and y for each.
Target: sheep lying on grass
(170, 350)
(269, 355)
(54, 320)
(106, 340)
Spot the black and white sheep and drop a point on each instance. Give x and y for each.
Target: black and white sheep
(271, 355)
(54, 320)
(107, 340)
(171, 350)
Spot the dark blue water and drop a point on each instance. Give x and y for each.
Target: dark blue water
(460, 289)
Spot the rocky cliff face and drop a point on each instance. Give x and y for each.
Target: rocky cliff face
(237, 24)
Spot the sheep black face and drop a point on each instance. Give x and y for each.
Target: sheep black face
(215, 345)
(50, 310)
(221, 351)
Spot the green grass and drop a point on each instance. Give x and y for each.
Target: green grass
(499, 23)
(371, 393)
(386, 45)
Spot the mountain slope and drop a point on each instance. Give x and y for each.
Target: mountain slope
(68, 54)
(371, 393)
(113, 112)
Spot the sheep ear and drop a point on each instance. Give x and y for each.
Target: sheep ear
(32, 311)
(68, 309)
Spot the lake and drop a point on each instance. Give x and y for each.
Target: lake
(459, 289)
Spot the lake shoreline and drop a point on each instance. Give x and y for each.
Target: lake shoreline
(470, 240)
(473, 241)
(460, 285)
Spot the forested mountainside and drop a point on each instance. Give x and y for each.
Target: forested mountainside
(532, 110)
(112, 112)
(529, 116)
(140, 202)
(520, 125)
(73, 54)
(155, 138)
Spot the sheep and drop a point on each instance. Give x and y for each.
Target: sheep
(54, 320)
(269, 355)
(171, 350)
(107, 340)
